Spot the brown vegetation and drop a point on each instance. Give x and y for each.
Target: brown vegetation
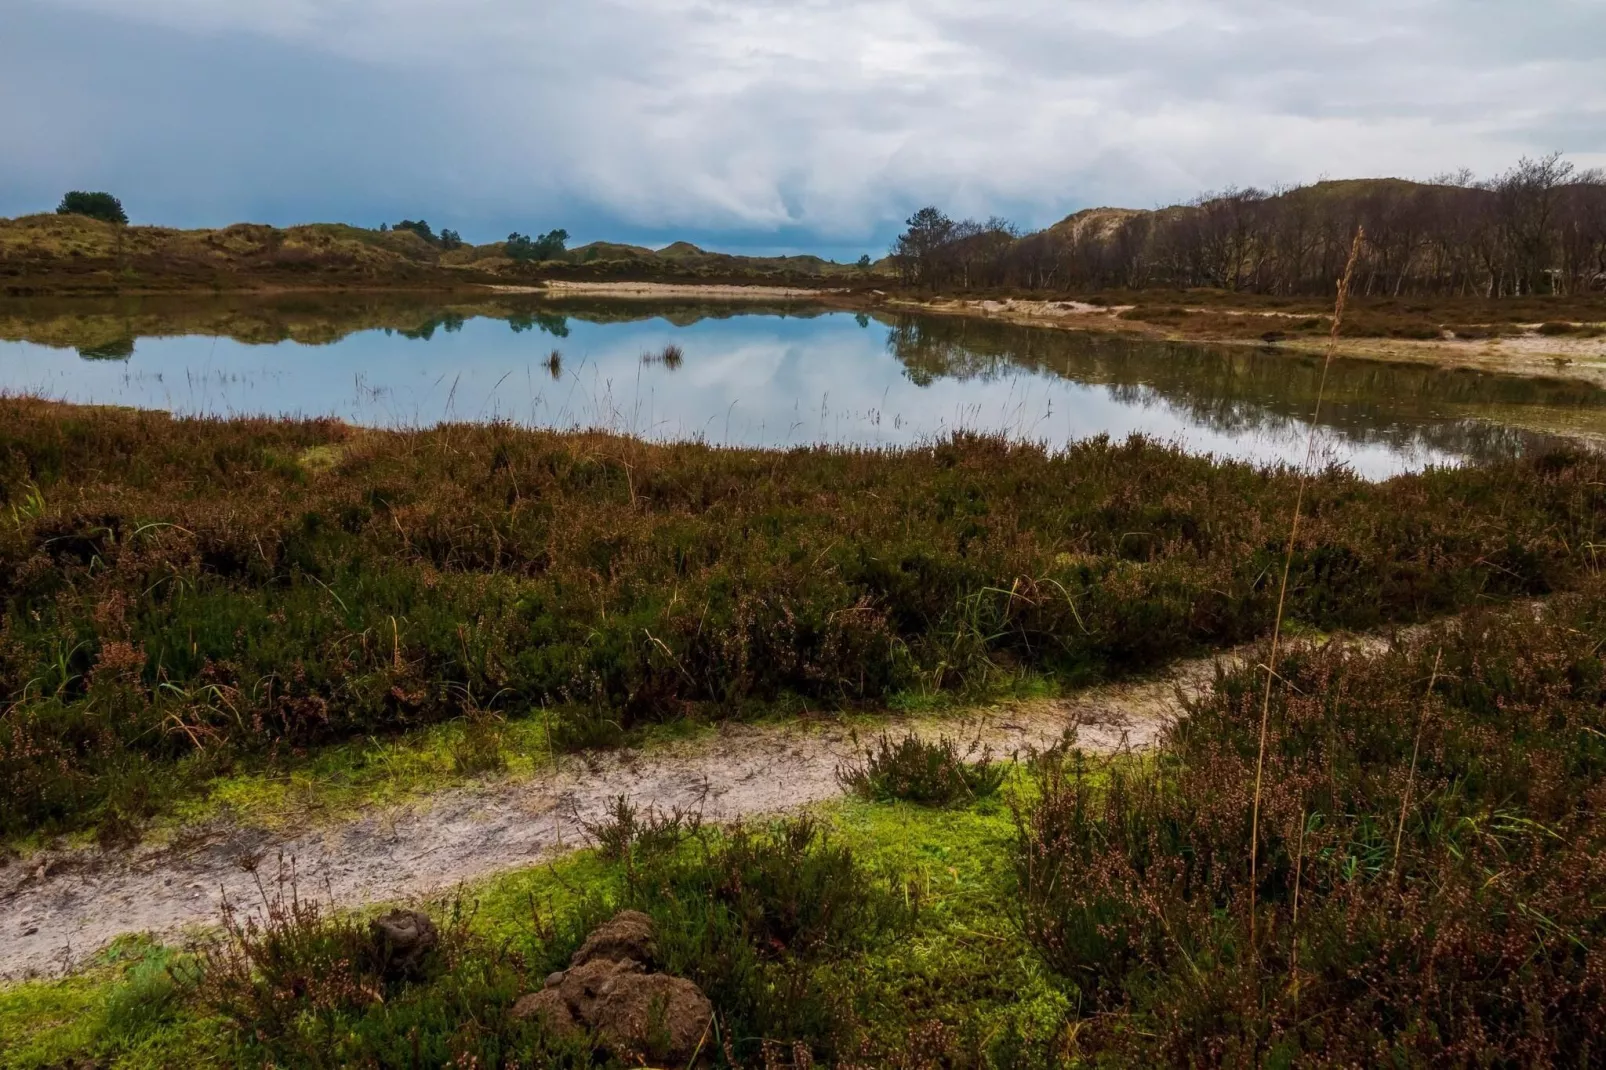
(182, 594)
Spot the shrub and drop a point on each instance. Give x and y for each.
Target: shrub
(627, 830)
(752, 916)
(181, 595)
(1429, 859)
(102, 206)
(933, 772)
(298, 985)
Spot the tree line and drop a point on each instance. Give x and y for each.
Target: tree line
(1538, 228)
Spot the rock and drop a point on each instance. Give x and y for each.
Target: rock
(627, 936)
(633, 1012)
(401, 940)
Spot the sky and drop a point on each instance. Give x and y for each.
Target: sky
(767, 125)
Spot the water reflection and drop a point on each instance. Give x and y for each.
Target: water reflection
(786, 374)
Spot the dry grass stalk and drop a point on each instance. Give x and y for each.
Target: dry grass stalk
(1288, 561)
(1416, 747)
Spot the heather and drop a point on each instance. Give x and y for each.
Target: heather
(1430, 893)
(1430, 860)
(182, 596)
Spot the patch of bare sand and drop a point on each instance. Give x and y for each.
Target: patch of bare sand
(1530, 355)
(661, 290)
(57, 909)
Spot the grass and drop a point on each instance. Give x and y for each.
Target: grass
(1093, 913)
(190, 600)
(894, 905)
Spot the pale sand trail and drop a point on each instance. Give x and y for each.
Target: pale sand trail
(58, 909)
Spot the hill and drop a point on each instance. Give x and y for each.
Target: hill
(47, 254)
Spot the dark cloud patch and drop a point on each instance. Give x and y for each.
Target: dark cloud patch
(769, 123)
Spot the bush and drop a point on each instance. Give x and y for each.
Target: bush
(297, 985)
(1429, 861)
(751, 917)
(549, 246)
(102, 206)
(923, 771)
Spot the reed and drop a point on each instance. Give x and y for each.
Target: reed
(1288, 564)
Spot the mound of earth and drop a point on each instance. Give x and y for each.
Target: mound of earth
(611, 989)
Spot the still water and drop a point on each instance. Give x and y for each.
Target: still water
(760, 376)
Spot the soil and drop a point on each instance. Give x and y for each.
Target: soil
(58, 908)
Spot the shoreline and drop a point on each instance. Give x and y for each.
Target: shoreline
(637, 291)
(1528, 355)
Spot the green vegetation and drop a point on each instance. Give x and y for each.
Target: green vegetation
(102, 206)
(549, 246)
(1430, 860)
(186, 596)
(934, 772)
(1431, 892)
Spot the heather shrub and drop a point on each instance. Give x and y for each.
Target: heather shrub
(183, 595)
(934, 772)
(1429, 860)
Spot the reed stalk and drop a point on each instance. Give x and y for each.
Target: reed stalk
(1416, 747)
(1288, 561)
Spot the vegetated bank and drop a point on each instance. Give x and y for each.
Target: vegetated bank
(1431, 866)
(55, 255)
(182, 596)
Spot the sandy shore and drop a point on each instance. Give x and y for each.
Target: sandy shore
(662, 290)
(1530, 354)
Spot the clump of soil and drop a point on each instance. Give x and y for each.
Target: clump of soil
(611, 990)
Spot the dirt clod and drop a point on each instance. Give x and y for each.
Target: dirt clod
(627, 937)
(634, 1013)
(401, 940)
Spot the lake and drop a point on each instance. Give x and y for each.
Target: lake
(745, 374)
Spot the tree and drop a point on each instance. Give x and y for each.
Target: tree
(102, 206)
(419, 227)
(451, 239)
(549, 246)
(917, 249)
(864, 262)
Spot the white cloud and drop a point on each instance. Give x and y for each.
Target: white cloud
(836, 116)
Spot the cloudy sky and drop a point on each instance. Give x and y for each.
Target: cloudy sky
(767, 124)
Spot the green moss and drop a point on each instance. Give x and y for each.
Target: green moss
(127, 1009)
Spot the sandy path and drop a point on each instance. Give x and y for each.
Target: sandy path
(57, 910)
